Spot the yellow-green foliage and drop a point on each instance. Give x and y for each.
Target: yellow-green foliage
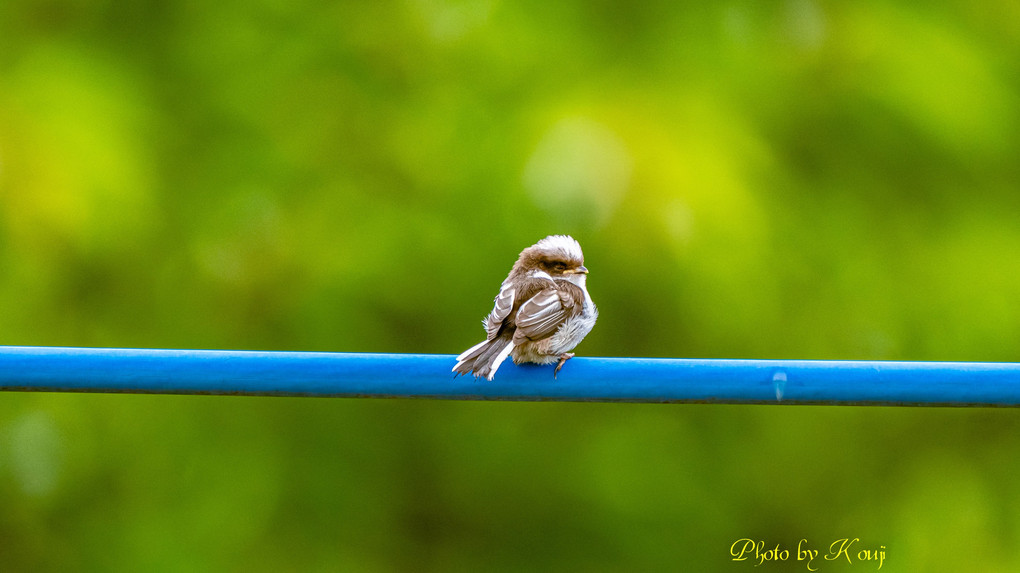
(791, 179)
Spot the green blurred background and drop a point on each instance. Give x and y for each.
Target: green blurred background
(748, 179)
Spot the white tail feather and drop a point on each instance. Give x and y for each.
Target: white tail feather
(466, 353)
(500, 358)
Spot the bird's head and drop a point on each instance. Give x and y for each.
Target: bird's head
(559, 256)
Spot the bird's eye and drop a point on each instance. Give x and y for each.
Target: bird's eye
(559, 266)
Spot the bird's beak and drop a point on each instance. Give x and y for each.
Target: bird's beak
(581, 270)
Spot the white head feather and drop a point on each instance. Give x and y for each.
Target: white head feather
(562, 244)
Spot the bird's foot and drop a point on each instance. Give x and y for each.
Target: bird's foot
(563, 359)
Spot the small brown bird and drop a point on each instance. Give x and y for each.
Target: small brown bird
(543, 310)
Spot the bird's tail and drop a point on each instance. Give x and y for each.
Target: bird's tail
(483, 359)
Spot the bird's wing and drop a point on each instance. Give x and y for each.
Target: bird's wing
(542, 314)
(500, 310)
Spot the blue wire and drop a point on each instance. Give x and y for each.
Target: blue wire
(52, 369)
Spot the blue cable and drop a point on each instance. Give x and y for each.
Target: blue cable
(248, 373)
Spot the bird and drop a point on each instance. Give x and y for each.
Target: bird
(543, 310)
